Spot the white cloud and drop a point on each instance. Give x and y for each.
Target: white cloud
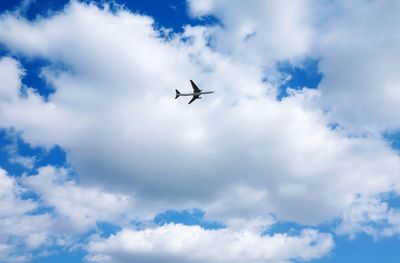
(16, 222)
(6, 256)
(27, 162)
(115, 113)
(260, 31)
(239, 154)
(36, 240)
(26, 225)
(179, 243)
(10, 203)
(356, 42)
(358, 47)
(370, 216)
(78, 208)
(10, 75)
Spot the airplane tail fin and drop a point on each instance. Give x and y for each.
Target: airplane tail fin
(177, 94)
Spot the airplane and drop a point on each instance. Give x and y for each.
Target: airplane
(196, 93)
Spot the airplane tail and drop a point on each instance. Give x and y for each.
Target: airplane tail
(177, 94)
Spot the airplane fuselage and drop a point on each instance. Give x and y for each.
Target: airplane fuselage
(196, 93)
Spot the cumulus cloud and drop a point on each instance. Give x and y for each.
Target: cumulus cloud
(78, 208)
(260, 31)
(355, 41)
(371, 216)
(10, 75)
(359, 63)
(61, 212)
(18, 226)
(240, 155)
(17, 223)
(123, 125)
(179, 243)
(10, 203)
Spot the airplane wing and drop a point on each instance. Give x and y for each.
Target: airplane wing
(194, 98)
(195, 88)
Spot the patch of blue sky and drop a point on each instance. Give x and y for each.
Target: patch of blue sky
(188, 217)
(33, 77)
(32, 9)
(9, 5)
(306, 75)
(28, 194)
(3, 50)
(392, 199)
(59, 255)
(106, 229)
(42, 209)
(13, 146)
(56, 156)
(393, 138)
(363, 248)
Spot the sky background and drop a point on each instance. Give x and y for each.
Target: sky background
(294, 158)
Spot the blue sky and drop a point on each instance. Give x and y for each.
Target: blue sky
(99, 164)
